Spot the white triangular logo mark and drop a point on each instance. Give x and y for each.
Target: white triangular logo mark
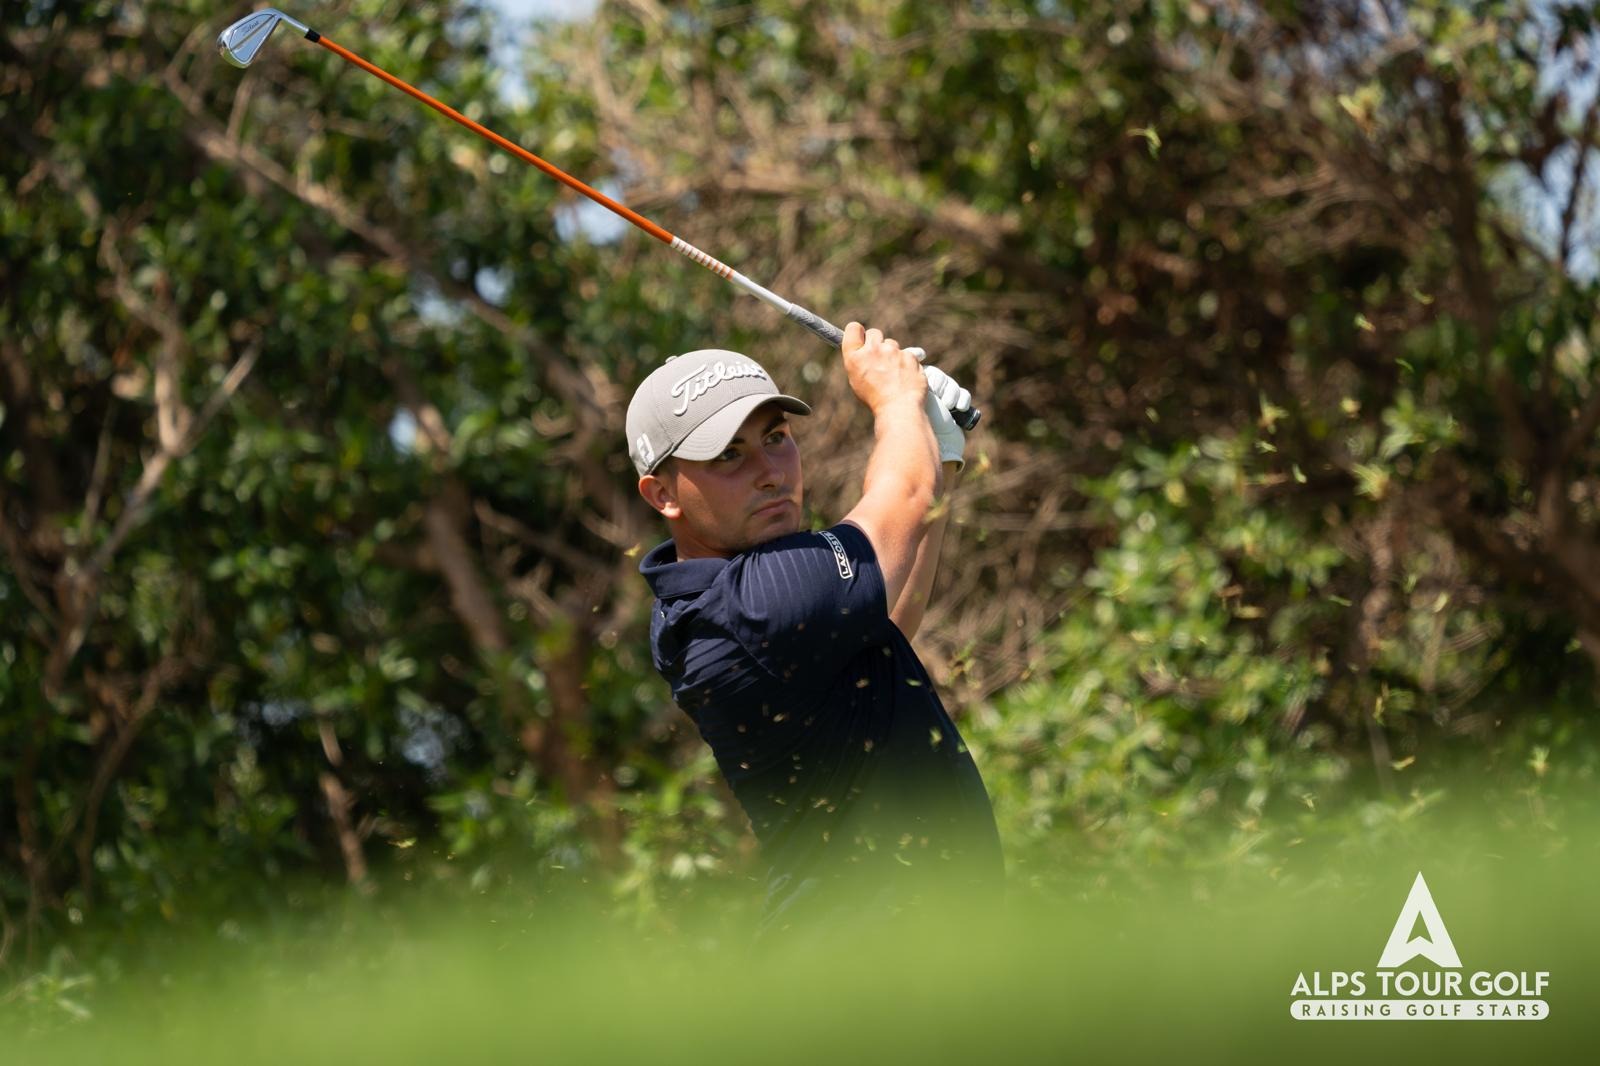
(1436, 947)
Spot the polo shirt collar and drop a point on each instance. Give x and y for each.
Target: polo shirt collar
(670, 576)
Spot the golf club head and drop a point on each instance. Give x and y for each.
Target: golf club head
(240, 43)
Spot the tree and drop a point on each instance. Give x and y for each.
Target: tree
(317, 528)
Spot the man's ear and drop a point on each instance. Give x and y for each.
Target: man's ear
(660, 495)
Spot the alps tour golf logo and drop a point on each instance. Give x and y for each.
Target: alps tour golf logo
(1443, 993)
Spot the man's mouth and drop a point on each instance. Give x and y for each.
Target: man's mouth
(771, 507)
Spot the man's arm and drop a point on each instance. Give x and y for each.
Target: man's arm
(943, 397)
(908, 610)
(903, 472)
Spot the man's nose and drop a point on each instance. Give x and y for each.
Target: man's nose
(768, 474)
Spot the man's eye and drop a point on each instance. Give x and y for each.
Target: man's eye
(728, 455)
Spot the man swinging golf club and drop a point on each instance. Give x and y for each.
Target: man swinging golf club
(791, 650)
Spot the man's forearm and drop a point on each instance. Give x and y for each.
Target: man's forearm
(903, 452)
(908, 610)
(903, 479)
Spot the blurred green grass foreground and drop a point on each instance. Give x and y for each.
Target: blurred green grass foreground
(1197, 962)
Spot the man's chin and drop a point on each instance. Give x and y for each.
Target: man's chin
(780, 524)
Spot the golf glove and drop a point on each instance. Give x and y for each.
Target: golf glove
(944, 396)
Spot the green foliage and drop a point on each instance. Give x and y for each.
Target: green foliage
(1170, 692)
(1186, 709)
(51, 998)
(1289, 442)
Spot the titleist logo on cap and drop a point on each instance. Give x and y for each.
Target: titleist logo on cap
(695, 384)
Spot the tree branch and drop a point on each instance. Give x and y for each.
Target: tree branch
(156, 681)
(1580, 167)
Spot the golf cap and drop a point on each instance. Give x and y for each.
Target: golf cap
(692, 405)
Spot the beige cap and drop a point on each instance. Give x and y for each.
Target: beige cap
(692, 405)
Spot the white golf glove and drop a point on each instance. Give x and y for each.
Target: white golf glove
(944, 396)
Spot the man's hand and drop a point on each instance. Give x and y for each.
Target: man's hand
(945, 396)
(881, 373)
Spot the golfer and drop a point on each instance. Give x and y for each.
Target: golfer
(791, 650)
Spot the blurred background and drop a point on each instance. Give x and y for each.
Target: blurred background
(320, 543)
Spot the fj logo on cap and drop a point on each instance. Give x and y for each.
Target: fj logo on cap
(839, 556)
(646, 453)
(695, 385)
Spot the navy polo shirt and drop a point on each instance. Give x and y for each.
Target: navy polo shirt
(822, 719)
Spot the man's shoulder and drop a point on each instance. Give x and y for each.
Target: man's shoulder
(800, 605)
(840, 536)
(789, 580)
(807, 555)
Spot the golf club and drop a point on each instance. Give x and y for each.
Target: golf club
(241, 42)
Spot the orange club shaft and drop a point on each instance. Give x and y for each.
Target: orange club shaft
(490, 135)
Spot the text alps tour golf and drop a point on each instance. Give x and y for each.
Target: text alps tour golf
(1508, 994)
(1444, 993)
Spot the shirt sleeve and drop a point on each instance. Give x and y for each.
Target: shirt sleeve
(804, 604)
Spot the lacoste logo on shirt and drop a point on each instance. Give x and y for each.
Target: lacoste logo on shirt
(839, 556)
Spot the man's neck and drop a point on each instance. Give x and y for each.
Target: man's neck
(690, 548)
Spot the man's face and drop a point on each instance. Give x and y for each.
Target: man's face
(746, 496)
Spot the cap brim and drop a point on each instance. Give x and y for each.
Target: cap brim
(710, 438)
